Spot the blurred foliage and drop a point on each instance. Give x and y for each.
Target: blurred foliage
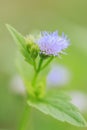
(30, 15)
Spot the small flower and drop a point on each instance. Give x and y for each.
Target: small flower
(17, 86)
(79, 99)
(59, 76)
(52, 43)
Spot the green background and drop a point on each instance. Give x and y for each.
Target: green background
(68, 16)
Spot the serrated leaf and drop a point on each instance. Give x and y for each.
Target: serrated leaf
(59, 108)
(20, 41)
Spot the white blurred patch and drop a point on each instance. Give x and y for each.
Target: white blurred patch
(80, 100)
(58, 76)
(17, 85)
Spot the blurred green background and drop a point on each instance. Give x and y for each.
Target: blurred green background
(68, 16)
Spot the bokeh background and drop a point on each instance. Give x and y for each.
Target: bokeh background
(68, 16)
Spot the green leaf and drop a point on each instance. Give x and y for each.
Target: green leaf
(24, 69)
(59, 107)
(19, 39)
(21, 42)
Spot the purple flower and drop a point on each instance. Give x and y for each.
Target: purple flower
(51, 43)
(58, 76)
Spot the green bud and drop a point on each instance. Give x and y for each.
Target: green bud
(29, 89)
(29, 39)
(29, 42)
(29, 47)
(34, 51)
(32, 48)
(40, 91)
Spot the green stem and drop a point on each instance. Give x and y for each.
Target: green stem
(37, 72)
(24, 121)
(47, 62)
(25, 117)
(34, 65)
(40, 64)
(34, 79)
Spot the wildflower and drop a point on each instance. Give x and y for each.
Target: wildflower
(52, 43)
(58, 76)
(17, 86)
(80, 100)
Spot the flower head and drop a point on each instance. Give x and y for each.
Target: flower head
(52, 43)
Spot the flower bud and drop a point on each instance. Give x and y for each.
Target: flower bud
(40, 90)
(34, 51)
(32, 48)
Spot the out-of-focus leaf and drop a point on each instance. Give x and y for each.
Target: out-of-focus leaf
(21, 42)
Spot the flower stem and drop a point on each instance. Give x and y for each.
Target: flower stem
(40, 64)
(24, 121)
(34, 65)
(34, 79)
(51, 58)
(37, 72)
